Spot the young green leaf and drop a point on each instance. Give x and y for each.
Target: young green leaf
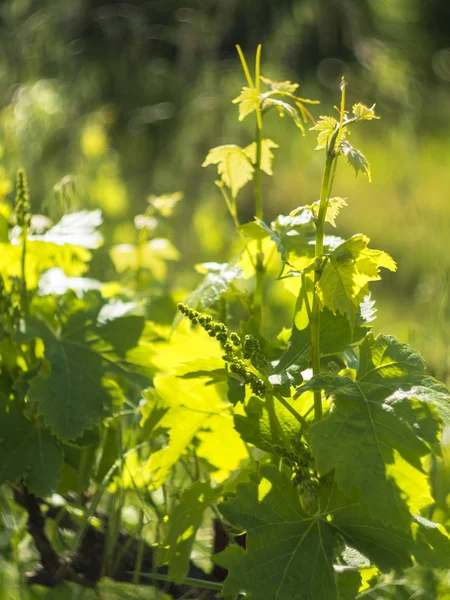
(233, 165)
(363, 112)
(266, 154)
(333, 208)
(326, 126)
(355, 158)
(343, 283)
(248, 101)
(280, 86)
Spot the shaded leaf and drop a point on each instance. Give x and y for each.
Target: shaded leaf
(27, 451)
(289, 554)
(83, 357)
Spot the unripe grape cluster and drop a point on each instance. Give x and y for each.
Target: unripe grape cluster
(236, 351)
(301, 462)
(22, 208)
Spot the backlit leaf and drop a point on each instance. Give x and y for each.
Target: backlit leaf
(233, 166)
(350, 267)
(355, 158)
(184, 521)
(326, 126)
(266, 154)
(248, 101)
(361, 111)
(334, 206)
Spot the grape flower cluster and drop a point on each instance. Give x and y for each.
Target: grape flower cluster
(301, 463)
(238, 353)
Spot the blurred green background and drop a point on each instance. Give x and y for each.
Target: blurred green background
(106, 102)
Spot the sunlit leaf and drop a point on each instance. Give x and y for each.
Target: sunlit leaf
(280, 86)
(166, 203)
(363, 112)
(333, 208)
(184, 521)
(266, 154)
(76, 229)
(248, 101)
(326, 126)
(233, 166)
(355, 158)
(343, 283)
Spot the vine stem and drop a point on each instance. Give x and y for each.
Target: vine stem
(315, 311)
(200, 583)
(24, 296)
(259, 207)
(325, 193)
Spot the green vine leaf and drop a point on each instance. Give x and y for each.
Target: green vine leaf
(289, 553)
(76, 388)
(28, 451)
(266, 428)
(184, 522)
(355, 158)
(374, 426)
(217, 280)
(233, 165)
(194, 407)
(284, 108)
(363, 112)
(336, 335)
(266, 154)
(280, 86)
(248, 101)
(343, 283)
(333, 209)
(326, 126)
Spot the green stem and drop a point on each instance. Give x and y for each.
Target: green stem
(200, 583)
(23, 290)
(325, 193)
(315, 311)
(259, 208)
